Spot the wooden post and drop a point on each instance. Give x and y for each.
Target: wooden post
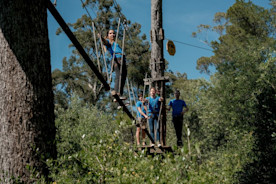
(157, 65)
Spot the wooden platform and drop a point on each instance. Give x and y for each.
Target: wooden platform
(155, 150)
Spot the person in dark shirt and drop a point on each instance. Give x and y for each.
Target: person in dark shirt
(179, 107)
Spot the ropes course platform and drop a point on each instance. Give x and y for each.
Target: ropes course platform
(155, 150)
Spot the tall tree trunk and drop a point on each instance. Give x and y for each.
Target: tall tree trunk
(157, 63)
(27, 129)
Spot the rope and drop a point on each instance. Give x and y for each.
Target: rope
(159, 114)
(133, 94)
(106, 69)
(145, 86)
(122, 60)
(95, 41)
(129, 96)
(84, 6)
(190, 45)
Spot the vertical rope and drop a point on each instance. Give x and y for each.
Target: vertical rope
(145, 86)
(133, 94)
(95, 42)
(122, 59)
(106, 70)
(129, 96)
(155, 128)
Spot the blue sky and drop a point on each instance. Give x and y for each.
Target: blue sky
(180, 19)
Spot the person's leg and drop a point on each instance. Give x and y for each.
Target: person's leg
(143, 126)
(143, 137)
(123, 77)
(117, 76)
(157, 125)
(151, 127)
(180, 130)
(138, 135)
(178, 125)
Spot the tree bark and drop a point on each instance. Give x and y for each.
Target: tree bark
(27, 129)
(157, 54)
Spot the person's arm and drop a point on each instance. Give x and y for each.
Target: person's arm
(185, 109)
(142, 113)
(161, 99)
(169, 106)
(105, 42)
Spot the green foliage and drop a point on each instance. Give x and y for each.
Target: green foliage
(91, 149)
(240, 98)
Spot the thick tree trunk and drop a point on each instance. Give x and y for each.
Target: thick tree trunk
(27, 129)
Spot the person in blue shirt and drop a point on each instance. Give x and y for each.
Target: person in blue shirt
(114, 49)
(179, 107)
(154, 103)
(142, 119)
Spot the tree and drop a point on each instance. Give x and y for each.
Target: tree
(27, 130)
(244, 87)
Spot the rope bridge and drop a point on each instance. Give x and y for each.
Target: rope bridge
(85, 56)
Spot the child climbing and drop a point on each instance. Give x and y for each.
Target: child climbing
(142, 119)
(119, 61)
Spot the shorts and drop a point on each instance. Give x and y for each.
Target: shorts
(142, 121)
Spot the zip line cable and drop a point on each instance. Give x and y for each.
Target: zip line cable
(189, 44)
(89, 13)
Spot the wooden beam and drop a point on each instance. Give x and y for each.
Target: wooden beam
(165, 78)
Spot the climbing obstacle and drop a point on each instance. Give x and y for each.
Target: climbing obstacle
(106, 85)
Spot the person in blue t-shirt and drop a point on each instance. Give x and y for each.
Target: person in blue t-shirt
(142, 119)
(179, 107)
(112, 47)
(153, 112)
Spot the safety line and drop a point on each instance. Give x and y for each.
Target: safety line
(189, 44)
